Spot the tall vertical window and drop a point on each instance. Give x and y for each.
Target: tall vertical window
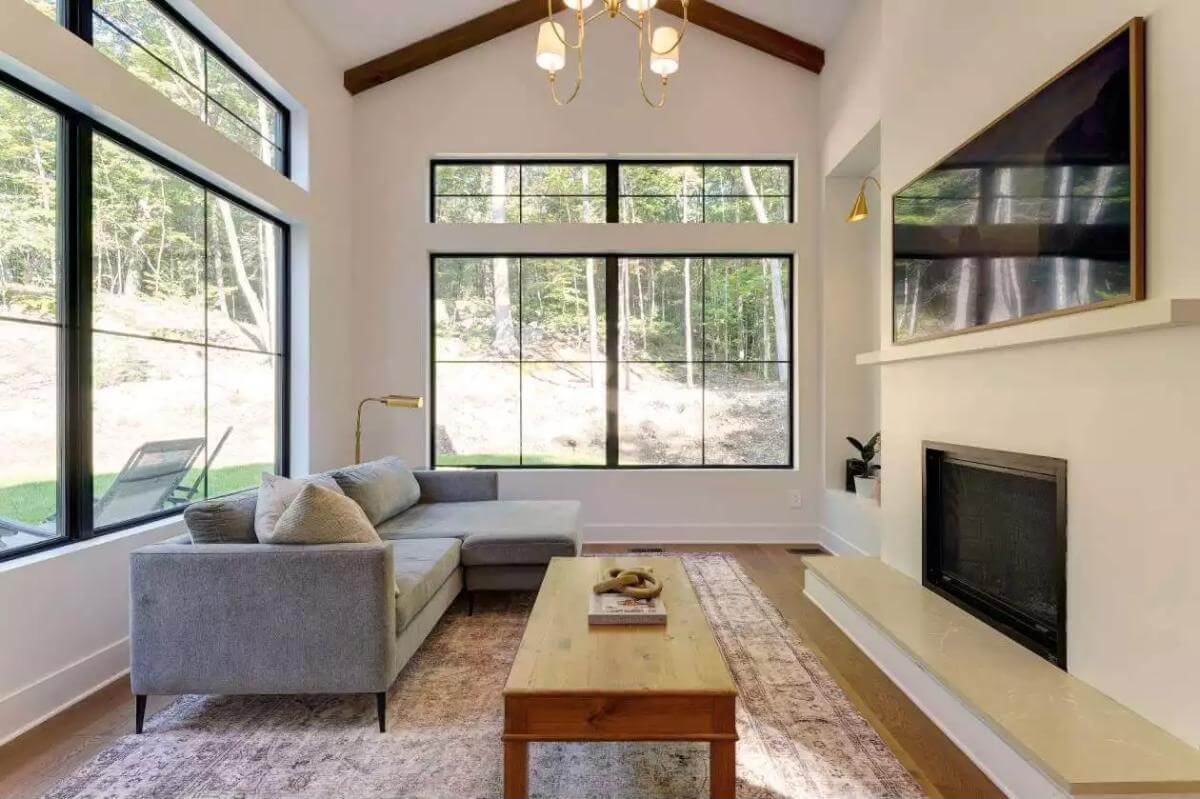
(184, 341)
(142, 330)
(610, 361)
(157, 45)
(30, 321)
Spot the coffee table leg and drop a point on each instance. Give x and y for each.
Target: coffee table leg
(722, 771)
(516, 769)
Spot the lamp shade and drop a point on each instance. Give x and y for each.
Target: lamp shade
(551, 52)
(641, 5)
(859, 211)
(577, 5)
(664, 59)
(403, 401)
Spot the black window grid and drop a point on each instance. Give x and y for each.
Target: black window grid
(613, 360)
(77, 134)
(612, 193)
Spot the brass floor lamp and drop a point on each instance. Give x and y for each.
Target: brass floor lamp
(391, 401)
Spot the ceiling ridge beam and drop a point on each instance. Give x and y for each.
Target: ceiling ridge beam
(515, 15)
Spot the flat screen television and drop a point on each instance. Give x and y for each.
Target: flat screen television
(1042, 213)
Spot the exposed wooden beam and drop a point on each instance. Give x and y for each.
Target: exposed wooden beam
(750, 33)
(520, 13)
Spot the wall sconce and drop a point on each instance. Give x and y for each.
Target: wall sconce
(859, 211)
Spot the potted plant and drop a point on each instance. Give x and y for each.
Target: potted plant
(860, 471)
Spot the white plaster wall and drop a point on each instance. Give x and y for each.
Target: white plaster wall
(727, 100)
(1121, 410)
(65, 612)
(850, 83)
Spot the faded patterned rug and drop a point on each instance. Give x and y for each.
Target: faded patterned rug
(801, 738)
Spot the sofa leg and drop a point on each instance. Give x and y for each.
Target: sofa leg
(139, 712)
(470, 603)
(381, 709)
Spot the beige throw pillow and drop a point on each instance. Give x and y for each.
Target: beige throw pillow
(321, 516)
(276, 493)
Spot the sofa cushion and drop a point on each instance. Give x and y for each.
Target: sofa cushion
(496, 533)
(421, 567)
(226, 520)
(276, 493)
(320, 516)
(383, 488)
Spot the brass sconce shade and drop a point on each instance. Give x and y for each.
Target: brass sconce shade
(389, 400)
(859, 211)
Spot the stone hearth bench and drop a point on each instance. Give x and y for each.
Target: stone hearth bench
(1034, 729)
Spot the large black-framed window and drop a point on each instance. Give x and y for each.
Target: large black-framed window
(614, 191)
(144, 326)
(152, 40)
(612, 360)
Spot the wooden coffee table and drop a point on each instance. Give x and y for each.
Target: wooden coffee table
(572, 682)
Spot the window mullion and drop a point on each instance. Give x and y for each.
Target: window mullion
(79, 19)
(612, 339)
(77, 510)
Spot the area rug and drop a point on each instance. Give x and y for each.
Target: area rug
(801, 738)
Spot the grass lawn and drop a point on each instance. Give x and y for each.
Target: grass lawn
(32, 503)
(488, 459)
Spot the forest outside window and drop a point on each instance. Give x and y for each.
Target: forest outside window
(158, 46)
(621, 192)
(143, 332)
(612, 361)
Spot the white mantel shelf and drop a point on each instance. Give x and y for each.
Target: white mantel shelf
(1146, 315)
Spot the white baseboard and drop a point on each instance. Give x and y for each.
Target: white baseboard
(838, 545)
(693, 533)
(1002, 764)
(29, 706)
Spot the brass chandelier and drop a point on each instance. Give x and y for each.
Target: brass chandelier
(661, 43)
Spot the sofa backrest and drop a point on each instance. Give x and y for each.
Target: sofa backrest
(225, 520)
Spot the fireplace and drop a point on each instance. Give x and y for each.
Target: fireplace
(995, 541)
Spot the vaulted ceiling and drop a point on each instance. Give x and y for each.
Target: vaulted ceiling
(360, 30)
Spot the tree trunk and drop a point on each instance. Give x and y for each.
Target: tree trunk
(504, 339)
(687, 322)
(593, 322)
(777, 303)
(262, 324)
(1062, 214)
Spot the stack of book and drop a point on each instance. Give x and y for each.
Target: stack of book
(621, 609)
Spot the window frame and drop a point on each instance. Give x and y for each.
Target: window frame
(612, 187)
(75, 236)
(79, 20)
(612, 359)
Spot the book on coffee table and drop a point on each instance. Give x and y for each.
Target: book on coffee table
(621, 609)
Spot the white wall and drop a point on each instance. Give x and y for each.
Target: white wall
(727, 100)
(1121, 410)
(65, 618)
(850, 84)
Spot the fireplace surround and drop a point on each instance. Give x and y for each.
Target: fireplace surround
(995, 540)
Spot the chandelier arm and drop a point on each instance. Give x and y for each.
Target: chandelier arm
(578, 84)
(682, 31)
(554, 27)
(637, 23)
(595, 16)
(642, 79)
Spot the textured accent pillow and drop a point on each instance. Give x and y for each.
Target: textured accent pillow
(227, 520)
(383, 488)
(320, 516)
(277, 493)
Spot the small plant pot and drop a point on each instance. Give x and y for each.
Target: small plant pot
(867, 488)
(854, 468)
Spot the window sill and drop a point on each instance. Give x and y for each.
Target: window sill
(152, 531)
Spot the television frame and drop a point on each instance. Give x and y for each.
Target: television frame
(1135, 29)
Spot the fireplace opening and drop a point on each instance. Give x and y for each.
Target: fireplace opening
(995, 541)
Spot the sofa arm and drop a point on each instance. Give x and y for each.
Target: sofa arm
(453, 486)
(262, 618)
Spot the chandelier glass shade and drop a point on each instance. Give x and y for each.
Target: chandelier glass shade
(658, 47)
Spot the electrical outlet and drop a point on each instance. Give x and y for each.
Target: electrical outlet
(795, 499)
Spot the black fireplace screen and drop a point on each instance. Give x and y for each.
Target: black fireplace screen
(995, 541)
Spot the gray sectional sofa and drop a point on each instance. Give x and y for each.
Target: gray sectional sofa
(239, 617)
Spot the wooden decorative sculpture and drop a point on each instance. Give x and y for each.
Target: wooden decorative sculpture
(636, 583)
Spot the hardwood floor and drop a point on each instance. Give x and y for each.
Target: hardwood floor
(36, 761)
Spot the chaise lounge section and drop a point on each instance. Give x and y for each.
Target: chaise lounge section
(239, 617)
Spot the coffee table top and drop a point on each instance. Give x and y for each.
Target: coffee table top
(562, 654)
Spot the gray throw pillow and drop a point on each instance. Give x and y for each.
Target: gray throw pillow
(320, 516)
(383, 488)
(227, 520)
(277, 493)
